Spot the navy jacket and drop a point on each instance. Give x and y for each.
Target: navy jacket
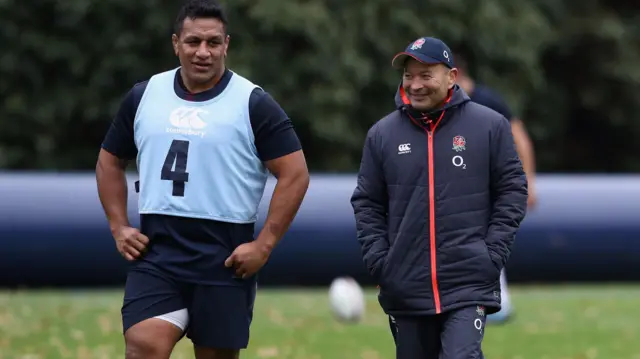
(438, 201)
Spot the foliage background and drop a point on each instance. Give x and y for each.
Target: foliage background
(569, 70)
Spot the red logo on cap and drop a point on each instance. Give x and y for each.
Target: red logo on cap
(417, 44)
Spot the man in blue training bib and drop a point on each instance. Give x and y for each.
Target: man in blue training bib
(204, 139)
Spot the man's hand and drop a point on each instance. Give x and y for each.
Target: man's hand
(293, 181)
(248, 258)
(130, 242)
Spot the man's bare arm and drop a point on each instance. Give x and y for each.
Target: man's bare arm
(524, 147)
(112, 189)
(292, 184)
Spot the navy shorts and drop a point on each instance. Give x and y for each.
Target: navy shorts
(219, 315)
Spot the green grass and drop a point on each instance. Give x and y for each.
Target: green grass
(551, 323)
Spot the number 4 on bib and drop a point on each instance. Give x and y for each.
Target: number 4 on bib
(178, 153)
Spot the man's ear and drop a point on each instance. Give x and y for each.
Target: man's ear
(453, 77)
(226, 44)
(174, 41)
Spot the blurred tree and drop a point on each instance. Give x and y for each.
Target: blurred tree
(587, 120)
(569, 68)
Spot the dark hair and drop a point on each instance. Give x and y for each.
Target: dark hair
(464, 57)
(194, 9)
(460, 58)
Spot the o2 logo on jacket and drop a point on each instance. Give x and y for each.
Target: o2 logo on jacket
(458, 161)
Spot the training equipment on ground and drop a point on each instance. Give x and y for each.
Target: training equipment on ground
(346, 299)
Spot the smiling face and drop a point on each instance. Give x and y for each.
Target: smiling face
(201, 47)
(427, 85)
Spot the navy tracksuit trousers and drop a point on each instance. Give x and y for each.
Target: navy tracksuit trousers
(453, 335)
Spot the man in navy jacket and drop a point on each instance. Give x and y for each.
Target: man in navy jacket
(440, 196)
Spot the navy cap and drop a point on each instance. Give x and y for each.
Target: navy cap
(427, 50)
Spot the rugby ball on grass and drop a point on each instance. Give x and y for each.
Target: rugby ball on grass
(346, 299)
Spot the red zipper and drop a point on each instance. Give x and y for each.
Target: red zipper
(430, 129)
(432, 224)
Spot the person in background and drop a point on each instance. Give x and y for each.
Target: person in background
(485, 96)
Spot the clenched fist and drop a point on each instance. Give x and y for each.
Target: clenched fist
(130, 242)
(248, 258)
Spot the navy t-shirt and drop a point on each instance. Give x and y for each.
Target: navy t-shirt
(194, 250)
(485, 96)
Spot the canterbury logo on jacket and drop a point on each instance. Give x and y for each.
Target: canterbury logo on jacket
(438, 202)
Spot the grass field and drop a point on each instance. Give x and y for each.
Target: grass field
(551, 323)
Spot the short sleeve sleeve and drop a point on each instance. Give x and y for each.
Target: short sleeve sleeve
(272, 128)
(501, 106)
(119, 140)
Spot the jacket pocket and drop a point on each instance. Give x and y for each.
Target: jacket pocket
(384, 268)
(491, 265)
(377, 271)
(391, 265)
(403, 269)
